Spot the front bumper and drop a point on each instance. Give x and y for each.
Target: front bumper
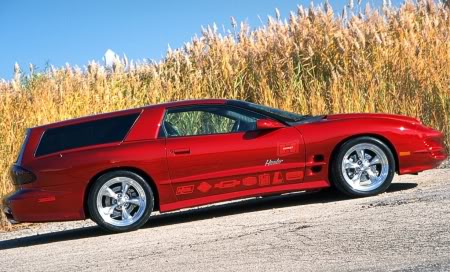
(423, 159)
(43, 205)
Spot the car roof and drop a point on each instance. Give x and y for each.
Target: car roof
(131, 111)
(189, 102)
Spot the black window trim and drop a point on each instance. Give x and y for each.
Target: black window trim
(162, 133)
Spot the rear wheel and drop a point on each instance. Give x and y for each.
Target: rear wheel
(364, 166)
(120, 201)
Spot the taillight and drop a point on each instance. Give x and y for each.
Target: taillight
(20, 175)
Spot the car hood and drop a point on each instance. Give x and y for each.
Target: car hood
(373, 115)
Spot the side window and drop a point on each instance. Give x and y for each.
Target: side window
(102, 131)
(189, 123)
(204, 120)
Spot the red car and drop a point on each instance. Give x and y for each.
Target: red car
(117, 168)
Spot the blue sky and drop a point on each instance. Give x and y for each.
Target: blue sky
(56, 31)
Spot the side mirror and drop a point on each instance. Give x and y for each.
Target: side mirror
(265, 124)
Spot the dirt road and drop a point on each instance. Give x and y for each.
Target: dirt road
(405, 229)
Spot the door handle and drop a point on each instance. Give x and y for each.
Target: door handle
(180, 151)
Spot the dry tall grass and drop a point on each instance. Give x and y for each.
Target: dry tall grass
(394, 60)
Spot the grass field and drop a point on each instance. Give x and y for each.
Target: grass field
(315, 62)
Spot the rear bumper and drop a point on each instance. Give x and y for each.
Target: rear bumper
(43, 205)
(8, 214)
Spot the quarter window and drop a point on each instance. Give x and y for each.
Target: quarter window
(103, 131)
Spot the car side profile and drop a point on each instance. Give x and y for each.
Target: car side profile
(117, 168)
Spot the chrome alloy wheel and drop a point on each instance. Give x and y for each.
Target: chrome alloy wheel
(365, 167)
(121, 201)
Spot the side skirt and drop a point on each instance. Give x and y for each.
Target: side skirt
(243, 194)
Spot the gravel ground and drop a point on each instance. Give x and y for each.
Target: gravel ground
(445, 164)
(404, 229)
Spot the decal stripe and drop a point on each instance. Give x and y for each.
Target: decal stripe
(294, 175)
(249, 181)
(243, 193)
(183, 190)
(227, 184)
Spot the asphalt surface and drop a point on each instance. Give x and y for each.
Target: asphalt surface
(405, 229)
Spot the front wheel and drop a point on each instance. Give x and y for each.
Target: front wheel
(364, 166)
(120, 201)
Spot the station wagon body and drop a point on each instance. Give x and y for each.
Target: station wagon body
(119, 167)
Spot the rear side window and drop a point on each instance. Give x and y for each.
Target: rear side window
(108, 130)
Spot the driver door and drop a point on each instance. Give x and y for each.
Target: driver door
(216, 150)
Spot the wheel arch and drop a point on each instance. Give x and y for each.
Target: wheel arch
(376, 136)
(138, 171)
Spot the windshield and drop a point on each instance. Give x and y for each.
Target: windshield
(272, 112)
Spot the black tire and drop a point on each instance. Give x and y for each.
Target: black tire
(94, 191)
(337, 175)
